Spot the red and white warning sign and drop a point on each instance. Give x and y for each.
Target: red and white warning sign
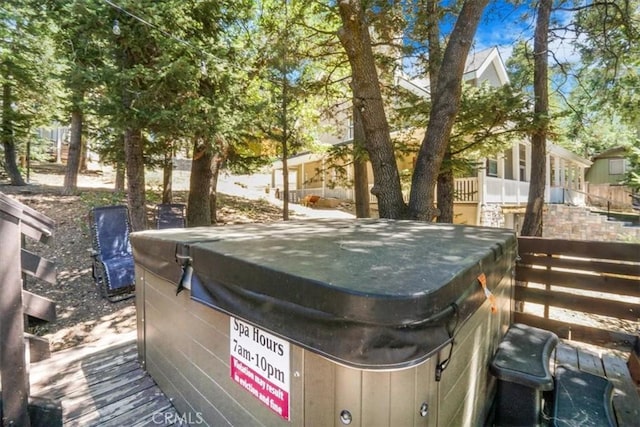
(260, 365)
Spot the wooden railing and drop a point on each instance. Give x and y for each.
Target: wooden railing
(597, 281)
(466, 190)
(17, 220)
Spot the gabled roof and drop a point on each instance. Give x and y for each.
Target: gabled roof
(615, 152)
(476, 66)
(478, 63)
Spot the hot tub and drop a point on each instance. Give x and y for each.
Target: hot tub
(325, 322)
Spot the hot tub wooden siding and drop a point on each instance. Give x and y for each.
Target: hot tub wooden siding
(184, 345)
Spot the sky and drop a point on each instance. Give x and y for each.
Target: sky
(503, 24)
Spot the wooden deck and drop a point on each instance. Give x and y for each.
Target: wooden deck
(103, 385)
(626, 400)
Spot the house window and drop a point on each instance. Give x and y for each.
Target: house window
(492, 167)
(523, 163)
(508, 163)
(618, 166)
(350, 129)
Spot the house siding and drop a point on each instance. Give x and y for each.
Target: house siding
(599, 172)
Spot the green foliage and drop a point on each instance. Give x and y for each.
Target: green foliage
(489, 120)
(632, 177)
(92, 199)
(603, 105)
(27, 68)
(290, 67)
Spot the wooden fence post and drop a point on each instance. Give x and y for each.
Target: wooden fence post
(15, 379)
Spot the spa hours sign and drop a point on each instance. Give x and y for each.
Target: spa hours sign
(260, 365)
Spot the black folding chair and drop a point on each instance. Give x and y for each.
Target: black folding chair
(170, 215)
(113, 267)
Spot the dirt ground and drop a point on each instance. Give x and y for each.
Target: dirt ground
(82, 315)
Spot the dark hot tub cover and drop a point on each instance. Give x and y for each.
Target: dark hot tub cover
(371, 294)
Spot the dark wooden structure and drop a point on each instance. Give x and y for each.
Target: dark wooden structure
(598, 280)
(593, 278)
(17, 220)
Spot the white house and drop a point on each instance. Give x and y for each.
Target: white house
(496, 196)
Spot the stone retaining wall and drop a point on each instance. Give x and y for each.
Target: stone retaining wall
(578, 223)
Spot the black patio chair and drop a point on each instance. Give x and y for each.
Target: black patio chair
(113, 267)
(170, 215)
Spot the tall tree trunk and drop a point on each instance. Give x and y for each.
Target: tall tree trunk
(219, 159)
(199, 207)
(213, 194)
(285, 183)
(136, 197)
(367, 97)
(10, 155)
(445, 183)
(444, 109)
(75, 143)
(446, 190)
(167, 175)
(84, 150)
(360, 174)
(532, 223)
(120, 176)
(285, 162)
(435, 48)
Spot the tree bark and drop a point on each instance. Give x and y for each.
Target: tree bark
(446, 190)
(84, 150)
(75, 145)
(8, 142)
(367, 98)
(445, 105)
(435, 48)
(285, 183)
(219, 159)
(360, 174)
(133, 147)
(199, 207)
(285, 150)
(120, 176)
(532, 223)
(167, 175)
(213, 194)
(445, 183)
(136, 197)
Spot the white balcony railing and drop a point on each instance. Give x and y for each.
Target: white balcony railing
(467, 190)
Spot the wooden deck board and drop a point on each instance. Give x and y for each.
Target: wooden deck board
(103, 385)
(85, 381)
(69, 371)
(626, 400)
(118, 407)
